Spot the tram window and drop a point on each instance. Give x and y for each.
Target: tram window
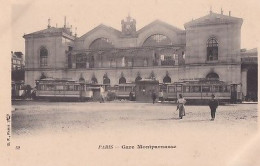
(186, 89)
(121, 88)
(82, 87)
(217, 88)
(128, 88)
(178, 89)
(195, 88)
(227, 88)
(76, 87)
(171, 89)
(50, 87)
(66, 87)
(41, 87)
(220, 88)
(205, 88)
(70, 87)
(59, 87)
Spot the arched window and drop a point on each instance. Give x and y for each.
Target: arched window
(138, 78)
(101, 43)
(106, 80)
(212, 49)
(122, 80)
(81, 79)
(212, 76)
(157, 40)
(94, 80)
(43, 56)
(167, 79)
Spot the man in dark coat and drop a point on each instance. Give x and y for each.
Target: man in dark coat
(153, 96)
(213, 104)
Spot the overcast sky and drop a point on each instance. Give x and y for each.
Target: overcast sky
(30, 15)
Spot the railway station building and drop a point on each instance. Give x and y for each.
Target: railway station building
(207, 47)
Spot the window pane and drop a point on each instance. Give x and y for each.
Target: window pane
(128, 88)
(178, 88)
(205, 88)
(171, 89)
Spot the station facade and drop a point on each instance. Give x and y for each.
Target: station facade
(208, 47)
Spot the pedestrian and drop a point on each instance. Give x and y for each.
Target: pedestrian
(180, 106)
(153, 96)
(161, 95)
(213, 104)
(102, 98)
(131, 96)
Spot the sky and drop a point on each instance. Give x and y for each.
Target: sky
(30, 15)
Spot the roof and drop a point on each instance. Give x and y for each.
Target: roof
(101, 26)
(156, 22)
(251, 52)
(212, 19)
(51, 30)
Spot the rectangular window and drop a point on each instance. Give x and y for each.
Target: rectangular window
(205, 88)
(121, 88)
(50, 87)
(76, 87)
(178, 88)
(215, 88)
(71, 87)
(128, 88)
(43, 61)
(171, 89)
(195, 89)
(80, 62)
(186, 89)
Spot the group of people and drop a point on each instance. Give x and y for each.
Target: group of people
(213, 105)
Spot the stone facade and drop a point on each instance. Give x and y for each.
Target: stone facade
(210, 44)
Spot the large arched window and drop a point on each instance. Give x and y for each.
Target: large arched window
(212, 49)
(167, 79)
(43, 57)
(157, 40)
(212, 76)
(122, 80)
(101, 43)
(138, 78)
(106, 80)
(94, 80)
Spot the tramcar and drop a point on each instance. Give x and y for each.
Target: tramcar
(200, 91)
(62, 90)
(123, 91)
(17, 89)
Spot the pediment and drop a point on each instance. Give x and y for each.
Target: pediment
(100, 29)
(159, 24)
(212, 19)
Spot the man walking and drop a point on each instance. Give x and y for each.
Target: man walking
(213, 104)
(153, 96)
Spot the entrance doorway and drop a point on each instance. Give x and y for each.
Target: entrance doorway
(252, 82)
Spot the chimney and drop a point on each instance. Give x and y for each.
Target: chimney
(75, 31)
(229, 13)
(49, 23)
(221, 11)
(65, 22)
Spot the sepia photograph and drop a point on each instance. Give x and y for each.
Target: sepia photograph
(149, 82)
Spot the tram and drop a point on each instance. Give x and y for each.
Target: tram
(17, 89)
(62, 90)
(123, 91)
(200, 91)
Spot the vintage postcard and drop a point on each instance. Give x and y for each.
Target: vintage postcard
(133, 82)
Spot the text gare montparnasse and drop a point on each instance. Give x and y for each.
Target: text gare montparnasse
(137, 147)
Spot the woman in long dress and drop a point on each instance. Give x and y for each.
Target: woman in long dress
(181, 101)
